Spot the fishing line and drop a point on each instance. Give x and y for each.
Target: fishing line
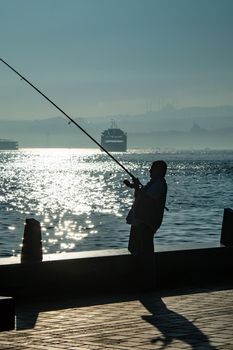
(70, 119)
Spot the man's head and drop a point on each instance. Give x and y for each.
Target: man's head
(158, 169)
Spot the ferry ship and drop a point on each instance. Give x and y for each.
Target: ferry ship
(8, 144)
(114, 139)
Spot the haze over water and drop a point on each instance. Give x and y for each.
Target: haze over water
(79, 197)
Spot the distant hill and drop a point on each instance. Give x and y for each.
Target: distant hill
(169, 127)
(170, 118)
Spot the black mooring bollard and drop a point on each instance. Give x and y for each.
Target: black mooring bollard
(32, 245)
(227, 228)
(7, 313)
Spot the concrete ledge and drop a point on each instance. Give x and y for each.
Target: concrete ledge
(89, 272)
(194, 266)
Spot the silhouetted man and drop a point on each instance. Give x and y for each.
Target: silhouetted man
(145, 218)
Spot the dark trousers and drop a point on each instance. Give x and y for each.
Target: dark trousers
(141, 246)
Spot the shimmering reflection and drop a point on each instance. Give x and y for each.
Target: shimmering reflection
(81, 202)
(64, 190)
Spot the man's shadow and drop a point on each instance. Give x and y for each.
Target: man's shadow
(172, 325)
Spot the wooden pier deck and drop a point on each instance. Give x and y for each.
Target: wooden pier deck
(192, 319)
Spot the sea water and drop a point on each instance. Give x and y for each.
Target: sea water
(79, 197)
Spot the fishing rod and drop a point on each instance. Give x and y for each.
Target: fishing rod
(70, 119)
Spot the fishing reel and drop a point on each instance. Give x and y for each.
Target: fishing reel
(136, 184)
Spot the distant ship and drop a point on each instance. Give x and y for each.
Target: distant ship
(8, 144)
(114, 139)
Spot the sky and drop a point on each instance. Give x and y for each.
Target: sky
(111, 57)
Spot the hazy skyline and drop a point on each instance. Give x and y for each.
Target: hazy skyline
(109, 57)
